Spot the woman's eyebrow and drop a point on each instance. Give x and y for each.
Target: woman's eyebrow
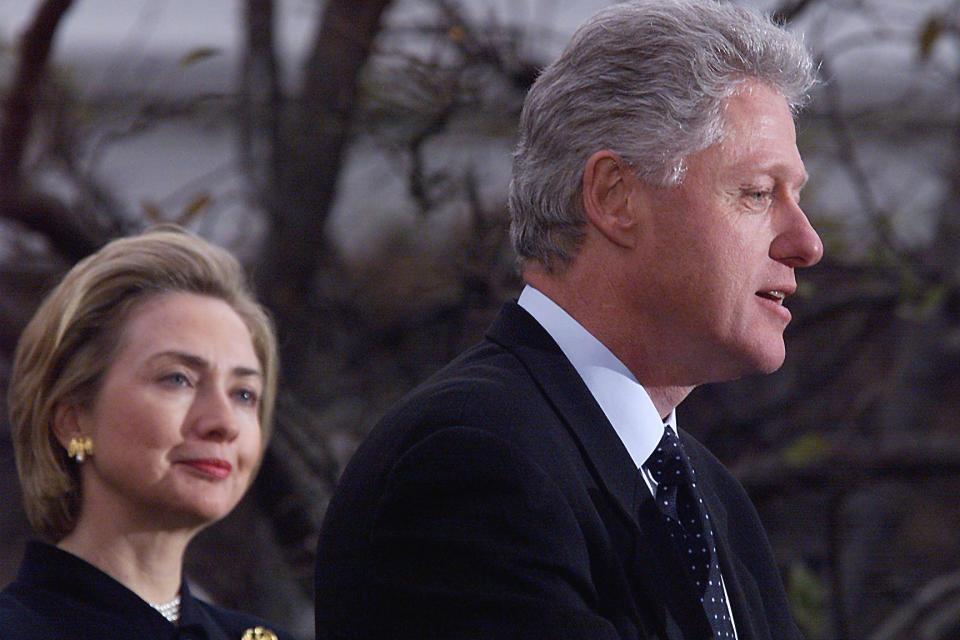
(196, 362)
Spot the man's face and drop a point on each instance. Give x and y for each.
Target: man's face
(718, 252)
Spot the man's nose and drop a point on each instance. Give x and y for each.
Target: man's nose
(797, 244)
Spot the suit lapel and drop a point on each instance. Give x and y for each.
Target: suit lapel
(518, 332)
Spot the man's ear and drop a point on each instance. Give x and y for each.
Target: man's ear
(66, 423)
(607, 185)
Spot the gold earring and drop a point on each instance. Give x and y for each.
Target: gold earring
(79, 448)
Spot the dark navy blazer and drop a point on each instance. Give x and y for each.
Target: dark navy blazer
(58, 596)
(497, 501)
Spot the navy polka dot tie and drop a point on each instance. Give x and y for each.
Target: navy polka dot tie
(689, 525)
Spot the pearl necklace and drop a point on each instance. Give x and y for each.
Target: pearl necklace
(169, 610)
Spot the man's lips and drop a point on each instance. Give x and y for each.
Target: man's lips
(213, 467)
(777, 293)
(775, 297)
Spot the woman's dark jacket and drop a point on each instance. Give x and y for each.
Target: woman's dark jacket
(58, 596)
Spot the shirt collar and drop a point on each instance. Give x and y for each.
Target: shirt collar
(623, 400)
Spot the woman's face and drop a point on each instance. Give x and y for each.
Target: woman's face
(175, 424)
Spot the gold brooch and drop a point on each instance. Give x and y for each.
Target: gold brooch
(259, 633)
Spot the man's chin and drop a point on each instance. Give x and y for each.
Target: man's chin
(769, 359)
(761, 360)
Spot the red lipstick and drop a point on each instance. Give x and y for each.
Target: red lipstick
(212, 467)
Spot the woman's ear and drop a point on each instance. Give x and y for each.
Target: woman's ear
(608, 185)
(66, 423)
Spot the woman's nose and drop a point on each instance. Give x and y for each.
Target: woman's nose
(214, 417)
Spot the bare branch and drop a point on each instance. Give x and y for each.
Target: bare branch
(314, 141)
(847, 151)
(21, 102)
(942, 592)
(418, 179)
(260, 106)
(847, 465)
(44, 214)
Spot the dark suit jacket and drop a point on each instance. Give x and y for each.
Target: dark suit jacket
(496, 501)
(58, 596)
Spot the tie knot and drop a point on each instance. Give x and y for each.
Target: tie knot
(668, 463)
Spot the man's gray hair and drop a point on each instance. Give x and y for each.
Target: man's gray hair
(647, 79)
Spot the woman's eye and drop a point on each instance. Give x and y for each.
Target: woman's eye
(177, 378)
(247, 396)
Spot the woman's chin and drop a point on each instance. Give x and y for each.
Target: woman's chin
(192, 514)
(204, 501)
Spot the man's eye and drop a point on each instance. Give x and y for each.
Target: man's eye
(758, 197)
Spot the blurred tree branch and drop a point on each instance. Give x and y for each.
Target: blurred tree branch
(23, 96)
(933, 613)
(36, 211)
(310, 133)
(73, 229)
(841, 462)
(261, 107)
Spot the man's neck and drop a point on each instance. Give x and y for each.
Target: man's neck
(666, 399)
(589, 305)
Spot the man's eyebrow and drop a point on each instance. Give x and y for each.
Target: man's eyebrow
(196, 362)
(779, 171)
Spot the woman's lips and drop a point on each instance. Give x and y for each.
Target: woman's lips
(213, 467)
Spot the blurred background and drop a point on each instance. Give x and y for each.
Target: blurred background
(355, 155)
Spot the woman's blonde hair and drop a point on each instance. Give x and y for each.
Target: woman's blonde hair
(71, 341)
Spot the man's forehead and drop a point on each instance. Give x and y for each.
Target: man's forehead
(759, 136)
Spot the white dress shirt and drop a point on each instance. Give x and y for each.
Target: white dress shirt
(624, 401)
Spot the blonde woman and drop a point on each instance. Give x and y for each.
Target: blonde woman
(140, 405)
